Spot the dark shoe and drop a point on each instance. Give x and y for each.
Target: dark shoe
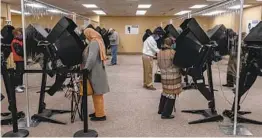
(112, 64)
(98, 118)
(168, 117)
(228, 85)
(92, 115)
(151, 88)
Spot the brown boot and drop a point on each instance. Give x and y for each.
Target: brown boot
(151, 88)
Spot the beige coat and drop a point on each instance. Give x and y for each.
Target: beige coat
(170, 74)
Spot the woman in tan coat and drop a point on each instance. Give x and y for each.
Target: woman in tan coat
(170, 79)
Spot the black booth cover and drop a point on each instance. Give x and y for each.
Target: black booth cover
(90, 26)
(216, 32)
(34, 33)
(192, 25)
(219, 34)
(171, 31)
(68, 44)
(255, 36)
(105, 37)
(99, 30)
(189, 44)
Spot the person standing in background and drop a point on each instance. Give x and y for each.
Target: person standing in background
(114, 42)
(149, 51)
(170, 79)
(18, 54)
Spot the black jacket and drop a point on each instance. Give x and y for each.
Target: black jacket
(18, 48)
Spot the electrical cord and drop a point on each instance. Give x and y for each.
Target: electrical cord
(221, 88)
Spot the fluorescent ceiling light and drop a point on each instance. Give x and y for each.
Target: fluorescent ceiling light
(99, 12)
(238, 7)
(198, 6)
(56, 11)
(35, 5)
(213, 13)
(141, 12)
(183, 12)
(15, 11)
(18, 12)
(89, 5)
(140, 6)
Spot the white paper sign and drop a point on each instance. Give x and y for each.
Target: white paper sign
(251, 24)
(8, 22)
(132, 29)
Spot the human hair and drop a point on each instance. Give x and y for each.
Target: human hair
(168, 41)
(17, 31)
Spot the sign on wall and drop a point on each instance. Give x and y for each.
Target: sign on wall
(251, 24)
(8, 22)
(132, 29)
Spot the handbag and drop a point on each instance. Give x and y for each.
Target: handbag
(157, 78)
(90, 90)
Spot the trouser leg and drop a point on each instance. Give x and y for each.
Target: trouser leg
(148, 70)
(19, 74)
(168, 108)
(99, 105)
(114, 54)
(161, 104)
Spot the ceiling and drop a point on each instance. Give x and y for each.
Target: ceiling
(125, 7)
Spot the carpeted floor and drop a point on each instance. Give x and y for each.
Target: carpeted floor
(132, 110)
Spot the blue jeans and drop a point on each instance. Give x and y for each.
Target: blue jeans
(114, 54)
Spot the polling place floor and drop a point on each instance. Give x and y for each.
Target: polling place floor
(132, 110)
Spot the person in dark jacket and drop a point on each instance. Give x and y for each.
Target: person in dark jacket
(18, 54)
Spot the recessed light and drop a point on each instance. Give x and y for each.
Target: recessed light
(99, 12)
(35, 5)
(183, 12)
(141, 6)
(198, 6)
(141, 12)
(238, 7)
(89, 5)
(213, 13)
